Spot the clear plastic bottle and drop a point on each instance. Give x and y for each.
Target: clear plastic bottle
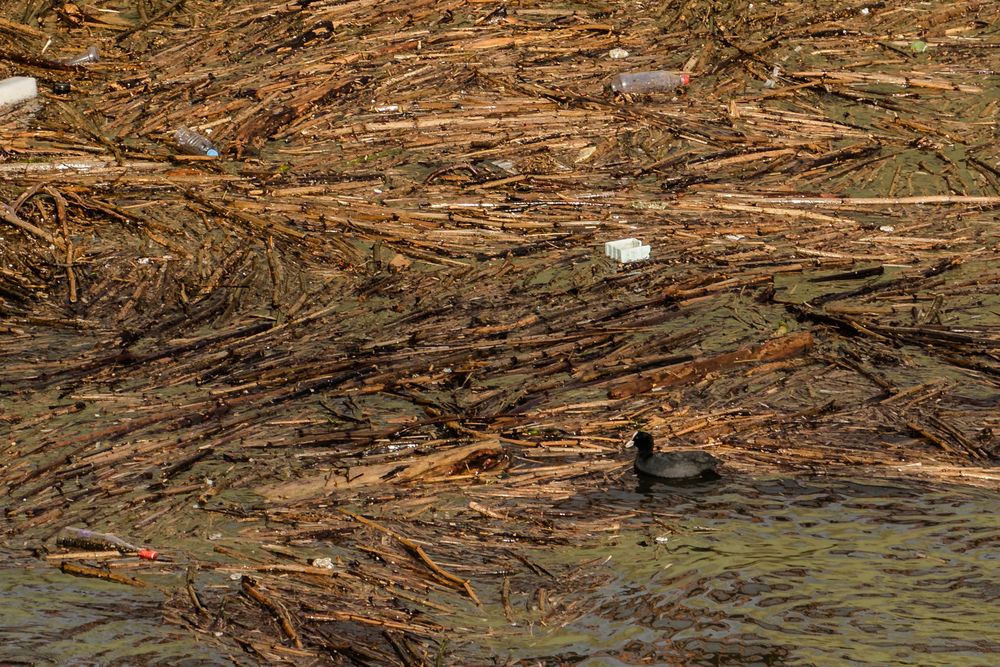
(648, 82)
(91, 56)
(81, 538)
(192, 143)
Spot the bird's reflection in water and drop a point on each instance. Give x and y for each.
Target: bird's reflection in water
(689, 487)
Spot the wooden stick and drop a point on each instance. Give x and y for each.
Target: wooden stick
(95, 573)
(867, 201)
(337, 616)
(8, 216)
(773, 350)
(247, 584)
(417, 550)
(918, 81)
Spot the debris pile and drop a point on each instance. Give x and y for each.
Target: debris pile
(343, 373)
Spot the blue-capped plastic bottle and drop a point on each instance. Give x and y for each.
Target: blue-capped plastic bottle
(192, 143)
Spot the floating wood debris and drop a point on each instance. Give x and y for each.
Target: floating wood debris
(352, 373)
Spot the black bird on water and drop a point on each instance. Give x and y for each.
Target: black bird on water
(678, 466)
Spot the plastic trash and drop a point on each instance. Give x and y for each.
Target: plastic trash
(192, 143)
(648, 82)
(61, 88)
(773, 80)
(626, 250)
(90, 56)
(82, 538)
(17, 89)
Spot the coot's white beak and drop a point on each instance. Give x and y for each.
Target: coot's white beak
(631, 443)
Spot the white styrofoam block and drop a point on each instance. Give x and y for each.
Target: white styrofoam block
(613, 248)
(636, 254)
(626, 250)
(17, 89)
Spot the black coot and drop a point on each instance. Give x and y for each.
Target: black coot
(682, 465)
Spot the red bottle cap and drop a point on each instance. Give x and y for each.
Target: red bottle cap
(148, 554)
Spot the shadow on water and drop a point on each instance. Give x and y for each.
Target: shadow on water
(785, 572)
(649, 485)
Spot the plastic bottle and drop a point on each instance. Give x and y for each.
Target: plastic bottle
(192, 143)
(82, 538)
(91, 56)
(648, 82)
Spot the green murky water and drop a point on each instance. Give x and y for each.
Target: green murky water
(49, 618)
(772, 571)
(783, 572)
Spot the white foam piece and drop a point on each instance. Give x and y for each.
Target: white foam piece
(17, 89)
(626, 250)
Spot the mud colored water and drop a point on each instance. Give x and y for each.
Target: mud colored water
(49, 618)
(767, 572)
(784, 572)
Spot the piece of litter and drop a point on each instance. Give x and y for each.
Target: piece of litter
(887, 228)
(323, 562)
(773, 80)
(192, 143)
(735, 237)
(17, 89)
(629, 83)
(89, 56)
(618, 54)
(585, 153)
(506, 165)
(662, 539)
(626, 250)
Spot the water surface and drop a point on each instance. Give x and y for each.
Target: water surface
(51, 618)
(786, 572)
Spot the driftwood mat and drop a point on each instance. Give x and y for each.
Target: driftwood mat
(381, 326)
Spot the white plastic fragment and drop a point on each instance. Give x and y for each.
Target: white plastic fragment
(17, 89)
(626, 250)
(618, 54)
(773, 80)
(505, 165)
